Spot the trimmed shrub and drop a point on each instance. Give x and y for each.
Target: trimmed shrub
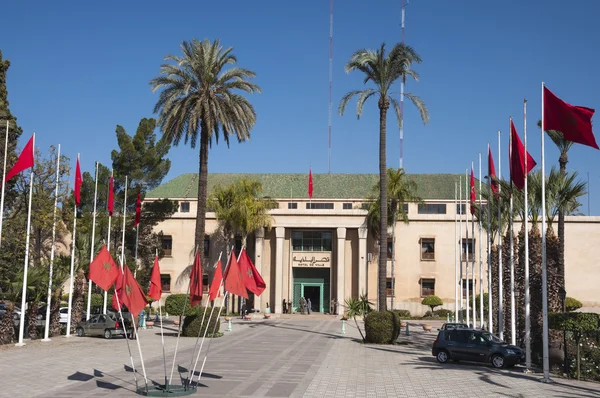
(193, 325)
(382, 327)
(572, 304)
(174, 305)
(403, 314)
(432, 302)
(443, 313)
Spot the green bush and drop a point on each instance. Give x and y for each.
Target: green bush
(443, 313)
(432, 302)
(576, 322)
(572, 304)
(403, 314)
(174, 305)
(382, 327)
(193, 325)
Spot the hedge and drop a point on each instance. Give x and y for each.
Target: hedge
(403, 314)
(192, 323)
(174, 305)
(572, 304)
(382, 327)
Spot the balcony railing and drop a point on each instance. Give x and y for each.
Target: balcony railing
(427, 255)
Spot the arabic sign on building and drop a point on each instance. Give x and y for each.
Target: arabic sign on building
(311, 259)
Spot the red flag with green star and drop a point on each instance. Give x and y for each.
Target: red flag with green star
(234, 282)
(103, 270)
(131, 294)
(252, 279)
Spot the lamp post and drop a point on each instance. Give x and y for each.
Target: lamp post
(563, 295)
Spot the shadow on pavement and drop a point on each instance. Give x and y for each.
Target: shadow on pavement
(306, 329)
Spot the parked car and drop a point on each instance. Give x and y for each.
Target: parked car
(475, 346)
(108, 325)
(64, 312)
(453, 325)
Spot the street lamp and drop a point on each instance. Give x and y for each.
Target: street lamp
(563, 295)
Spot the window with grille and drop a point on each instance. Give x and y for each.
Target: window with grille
(427, 249)
(167, 245)
(427, 287)
(432, 208)
(311, 240)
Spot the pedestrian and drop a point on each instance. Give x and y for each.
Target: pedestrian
(142, 322)
(290, 306)
(284, 306)
(302, 305)
(308, 305)
(335, 308)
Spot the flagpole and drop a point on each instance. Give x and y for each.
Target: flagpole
(480, 251)
(124, 217)
(162, 336)
(546, 364)
(489, 246)
(460, 243)
(473, 280)
(108, 240)
(70, 306)
(467, 244)
(137, 234)
(3, 180)
(89, 301)
(500, 293)
(49, 301)
(513, 318)
(456, 205)
(526, 220)
(24, 293)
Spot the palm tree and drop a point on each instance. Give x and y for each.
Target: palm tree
(383, 70)
(200, 99)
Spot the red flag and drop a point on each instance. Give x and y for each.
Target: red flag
(233, 278)
(118, 287)
(213, 292)
(196, 282)
(575, 122)
(24, 161)
(492, 171)
(138, 210)
(78, 182)
(252, 279)
(155, 290)
(111, 196)
(103, 270)
(131, 294)
(473, 197)
(310, 184)
(516, 159)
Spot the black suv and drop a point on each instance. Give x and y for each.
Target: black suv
(475, 346)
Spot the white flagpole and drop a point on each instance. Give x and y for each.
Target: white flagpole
(467, 244)
(489, 247)
(3, 182)
(473, 280)
(456, 252)
(480, 251)
(137, 234)
(49, 301)
(124, 218)
(526, 220)
(513, 318)
(546, 364)
(162, 336)
(108, 245)
(72, 267)
(460, 243)
(89, 302)
(24, 293)
(500, 292)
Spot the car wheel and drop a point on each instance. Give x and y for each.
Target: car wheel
(498, 361)
(442, 356)
(107, 334)
(80, 332)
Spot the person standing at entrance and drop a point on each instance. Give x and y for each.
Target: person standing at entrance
(284, 307)
(308, 305)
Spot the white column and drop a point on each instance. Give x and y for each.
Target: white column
(258, 250)
(341, 265)
(362, 261)
(279, 235)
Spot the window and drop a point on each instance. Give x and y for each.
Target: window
(459, 336)
(320, 206)
(347, 206)
(432, 208)
(405, 207)
(184, 207)
(460, 209)
(165, 282)
(167, 245)
(469, 283)
(390, 249)
(292, 205)
(427, 287)
(311, 240)
(427, 249)
(389, 287)
(205, 283)
(206, 246)
(467, 250)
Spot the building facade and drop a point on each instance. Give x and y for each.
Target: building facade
(321, 248)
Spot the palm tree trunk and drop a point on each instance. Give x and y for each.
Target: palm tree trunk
(202, 188)
(383, 107)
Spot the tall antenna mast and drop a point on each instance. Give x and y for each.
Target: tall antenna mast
(402, 83)
(330, 77)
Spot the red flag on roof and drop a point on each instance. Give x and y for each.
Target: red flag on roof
(25, 160)
(234, 282)
(213, 293)
(78, 182)
(310, 184)
(111, 196)
(103, 270)
(138, 210)
(155, 290)
(473, 197)
(575, 122)
(516, 159)
(196, 281)
(492, 171)
(252, 279)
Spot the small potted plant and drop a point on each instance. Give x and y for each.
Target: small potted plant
(427, 327)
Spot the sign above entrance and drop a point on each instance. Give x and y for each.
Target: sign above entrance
(311, 259)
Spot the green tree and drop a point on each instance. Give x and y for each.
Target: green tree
(200, 98)
(358, 307)
(383, 70)
(432, 302)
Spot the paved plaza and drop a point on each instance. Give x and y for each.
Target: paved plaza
(301, 356)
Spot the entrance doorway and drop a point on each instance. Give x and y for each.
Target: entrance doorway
(314, 292)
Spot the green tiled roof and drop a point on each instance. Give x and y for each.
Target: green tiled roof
(325, 186)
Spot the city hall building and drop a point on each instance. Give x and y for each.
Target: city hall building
(321, 248)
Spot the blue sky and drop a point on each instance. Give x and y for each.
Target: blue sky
(80, 68)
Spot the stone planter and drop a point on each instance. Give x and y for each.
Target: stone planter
(267, 316)
(427, 328)
(175, 321)
(403, 324)
(149, 324)
(227, 318)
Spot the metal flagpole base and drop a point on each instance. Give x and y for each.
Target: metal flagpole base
(20, 345)
(45, 340)
(546, 380)
(167, 390)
